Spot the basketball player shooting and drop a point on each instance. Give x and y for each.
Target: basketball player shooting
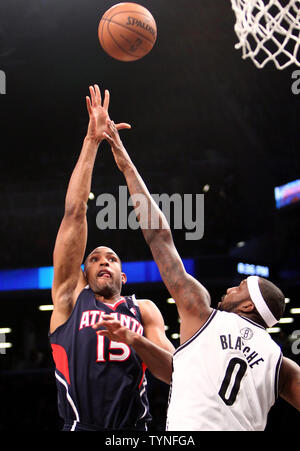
(101, 383)
(227, 371)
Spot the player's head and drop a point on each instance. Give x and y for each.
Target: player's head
(256, 298)
(103, 272)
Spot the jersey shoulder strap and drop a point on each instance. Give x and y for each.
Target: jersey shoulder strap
(133, 306)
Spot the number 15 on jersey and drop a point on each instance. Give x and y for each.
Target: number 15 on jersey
(124, 350)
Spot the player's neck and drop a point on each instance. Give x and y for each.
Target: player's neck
(108, 299)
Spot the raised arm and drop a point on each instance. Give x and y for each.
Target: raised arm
(192, 299)
(71, 239)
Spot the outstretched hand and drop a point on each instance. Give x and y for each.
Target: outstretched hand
(120, 154)
(98, 114)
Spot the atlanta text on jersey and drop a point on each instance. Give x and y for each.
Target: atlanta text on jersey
(91, 317)
(229, 342)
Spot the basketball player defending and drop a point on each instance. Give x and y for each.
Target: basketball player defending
(227, 371)
(101, 383)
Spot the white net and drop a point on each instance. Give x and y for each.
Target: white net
(268, 31)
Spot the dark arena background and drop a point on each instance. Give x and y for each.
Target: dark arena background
(204, 121)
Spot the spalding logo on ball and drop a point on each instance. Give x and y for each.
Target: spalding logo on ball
(127, 31)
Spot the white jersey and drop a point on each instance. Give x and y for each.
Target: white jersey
(225, 377)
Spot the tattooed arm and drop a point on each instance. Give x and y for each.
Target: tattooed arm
(192, 299)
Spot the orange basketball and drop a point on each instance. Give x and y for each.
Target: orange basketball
(127, 31)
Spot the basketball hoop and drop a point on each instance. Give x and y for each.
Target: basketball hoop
(268, 31)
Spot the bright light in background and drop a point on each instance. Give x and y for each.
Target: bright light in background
(287, 300)
(91, 196)
(175, 336)
(170, 301)
(5, 330)
(46, 308)
(295, 311)
(206, 188)
(286, 320)
(273, 330)
(41, 278)
(252, 270)
(5, 345)
(287, 194)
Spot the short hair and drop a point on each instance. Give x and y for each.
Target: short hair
(273, 296)
(86, 259)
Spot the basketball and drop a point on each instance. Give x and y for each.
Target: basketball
(127, 31)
